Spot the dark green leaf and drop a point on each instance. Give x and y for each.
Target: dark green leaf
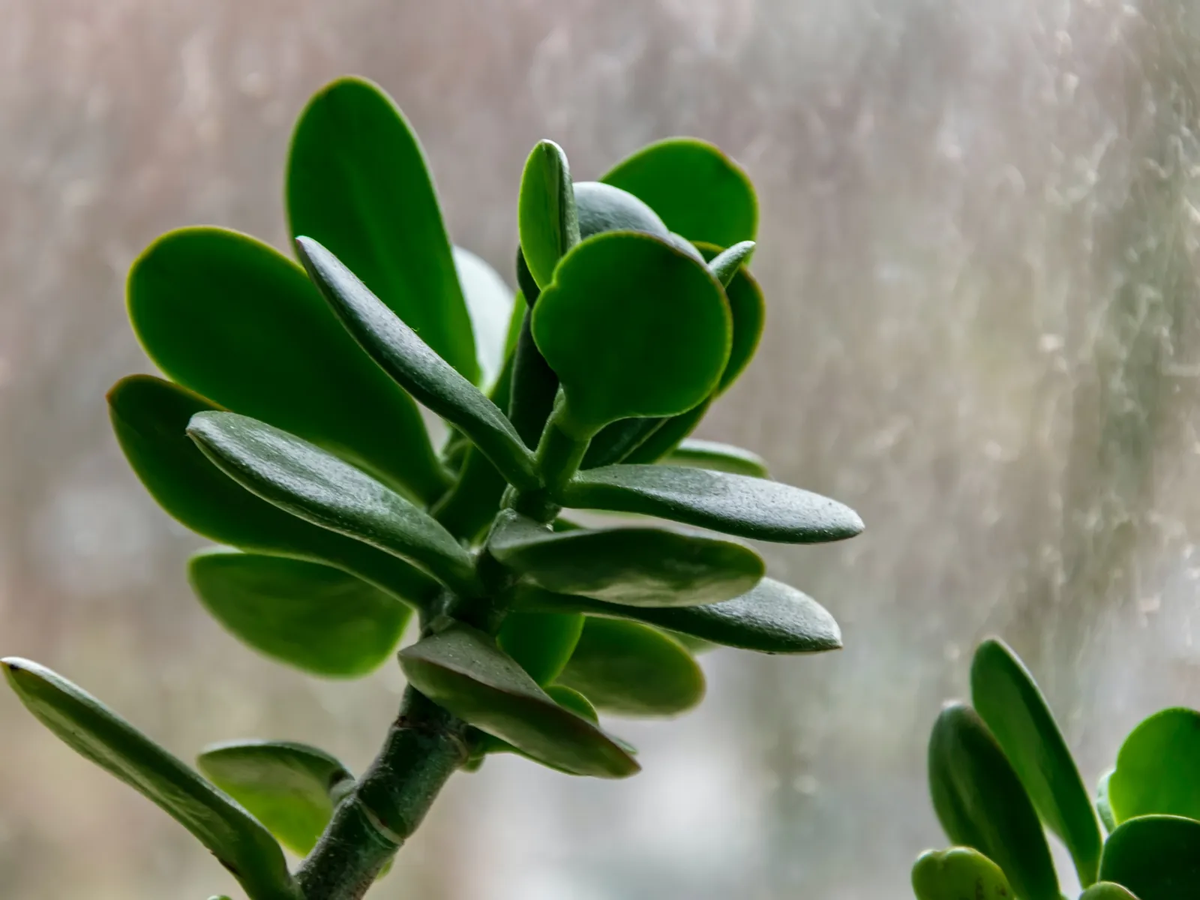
(631, 670)
(733, 504)
(1158, 768)
(1009, 702)
(1103, 806)
(628, 566)
(698, 190)
(959, 873)
(291, 788)
(534, 387)
(358, 183)
(546, 213)
(150, 418)
(632, 327)
(1106, 890)
(726, 263)
(308, 615)
(749, 311)
(464, 671)
(666, 435)
(319, 488)
(541, 643)
(981, 804)
(1156, 857)
(94, 731)
(771, 618)
(718, 457)
(490, 304)
(232, 319)
(602, 207)
(617, 441)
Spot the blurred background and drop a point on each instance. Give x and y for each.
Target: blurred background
(979, 249)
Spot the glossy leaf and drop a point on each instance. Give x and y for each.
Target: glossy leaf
(1155, 857)
(959, 873)
(726, 263)
(571, 699)
(546, 213)
(718, 457)
(696, 189)
(1010, 703)
(464, 671)
(319, 488)
(150, 418)
(981, 804)
(734, 504)
(490, 305)
(632, 328)
(534, 387)
(415, 366)
(602, 208)
(1106, 890)
(357, 181)
(631, 670)
(313, 617)
(749, 312)
(1158, 768)
(667, 435)
(234, 320)
(771, 618)
(1103, 806)
(94, 731)
(291, 788)
(541, 643)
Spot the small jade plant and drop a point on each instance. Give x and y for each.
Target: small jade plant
(1000, 775)
(290, 433)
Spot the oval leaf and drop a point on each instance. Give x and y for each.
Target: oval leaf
(632, 327)
(541, 643)
(233, 319)
(291, 788)
(718, 457)
(490, 304)
(319, 488)
(464, 671)
(629, 566)
(1009, 702)
(1158, 768)
(1156, 857)
(602, 207)
(631, 670)
(546, 214)
(358, 183)
(310, 616)
(981, 804)
(94, 731)
(1106, 890)
(959, 873)
(733, 504)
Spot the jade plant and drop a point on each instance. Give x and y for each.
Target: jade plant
(289, 430)
(1001, 776)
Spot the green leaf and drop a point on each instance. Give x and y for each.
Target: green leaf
(150, 418)
(631, 670)
(571, 699)
(94, 731)
(734, 504)
(698, 190)
(718, 457)
(1106, 890)
(632, 327)
(628, 566)
(310, 616)
(317, 487)
(414, 365)
(291, 788)
(1103, 806)
(464, 671)
(1155, 857)
(959, 873)
(357, 182)
(726, 263)
(490, 304)
(602, 208)
(1158, 767)
(749, 312)
(981, 804)
(541, 643)
(234, 320)
(771, 618)
(1009, 702)
(546, 213)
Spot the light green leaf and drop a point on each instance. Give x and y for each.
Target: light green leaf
(726, 263)
(1155, 857)
(490, 305)
(1106, 890)
(718, 457)
(546, 212)
(1158, 767)
(541, 643)
(571, 699)
(959, 873)
(1103, 806)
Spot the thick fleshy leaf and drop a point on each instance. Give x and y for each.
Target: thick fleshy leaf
(749, 312)
(628, 566)
(546, 213)
(357, 182)
(317, 487)
(571, 699)
(150, 418)
(464, 671)
(632, 670)
(1158, 768)
(1010, 703)
(291, 788)
(981, 804)
(1106, 890)
(1103, 806)
(1156, 857)
(959, 873)
(602, 207)
(726, 263)
(94, 731)
(541, 643)
(490, 304)
(734, 504)
(771, 618)
(697, 190)
(718, 457)
(632, 328)
(415, 366)
(310, 616)
(236, 321)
